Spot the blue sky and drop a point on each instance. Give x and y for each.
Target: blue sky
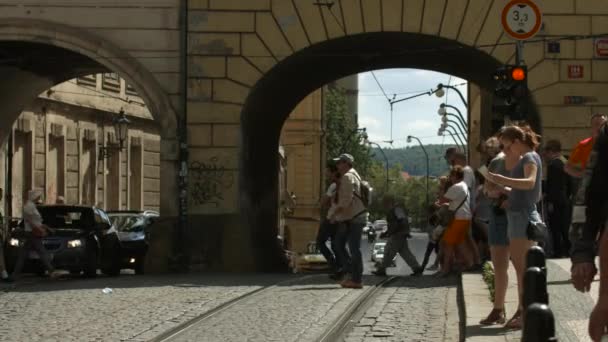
(417, 116)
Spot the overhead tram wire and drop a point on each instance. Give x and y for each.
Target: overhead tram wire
(389, 102)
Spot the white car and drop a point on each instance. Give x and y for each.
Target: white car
(378, 251)
(380, 225)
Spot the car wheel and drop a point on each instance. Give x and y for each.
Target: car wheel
(113, 269)
(139, 265)
(90, 269)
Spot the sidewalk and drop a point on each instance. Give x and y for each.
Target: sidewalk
(571, 308)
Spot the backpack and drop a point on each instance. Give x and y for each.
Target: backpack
(365, 192)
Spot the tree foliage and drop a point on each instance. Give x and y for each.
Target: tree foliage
(342, 137)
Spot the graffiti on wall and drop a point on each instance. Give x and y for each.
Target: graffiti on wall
(208, 182)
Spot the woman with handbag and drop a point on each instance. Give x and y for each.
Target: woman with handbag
(455, 214)
(35, 231)
(525, 184)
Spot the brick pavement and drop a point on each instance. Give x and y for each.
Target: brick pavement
(570, 307)
(140, 307)
(411, 309)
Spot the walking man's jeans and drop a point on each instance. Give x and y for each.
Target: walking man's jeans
(558, 225)
(397, 243)
(327, 231)
(35, 244)
(349, 232)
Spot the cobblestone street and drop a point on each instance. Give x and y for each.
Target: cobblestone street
(297, 308)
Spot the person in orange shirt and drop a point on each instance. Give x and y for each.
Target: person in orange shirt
(578, 160)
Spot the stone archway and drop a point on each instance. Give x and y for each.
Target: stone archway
(36, 51)
(309, 69)
(35, 55)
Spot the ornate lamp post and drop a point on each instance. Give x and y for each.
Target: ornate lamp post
(121, 129)
(409, 140)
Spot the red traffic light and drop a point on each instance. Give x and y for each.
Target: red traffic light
(518, 74)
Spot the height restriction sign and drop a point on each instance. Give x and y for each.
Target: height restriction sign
(521, 19)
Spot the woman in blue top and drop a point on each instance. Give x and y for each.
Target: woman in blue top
(525, 184)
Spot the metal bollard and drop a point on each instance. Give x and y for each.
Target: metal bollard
(539, 324)
(535, 287)
(536, 258)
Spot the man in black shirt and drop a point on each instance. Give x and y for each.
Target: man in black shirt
(557, 197)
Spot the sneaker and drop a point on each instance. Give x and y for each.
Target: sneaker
(433, 267)
(418, 272)
(379, 272)
(349, 284)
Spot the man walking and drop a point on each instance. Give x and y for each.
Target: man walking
(327, 228)
(557, 198)
(35, 231)
(397, 233)
(351, 216)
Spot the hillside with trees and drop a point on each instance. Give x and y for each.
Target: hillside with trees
(413, 161)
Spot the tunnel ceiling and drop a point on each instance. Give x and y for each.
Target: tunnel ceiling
(47, 61)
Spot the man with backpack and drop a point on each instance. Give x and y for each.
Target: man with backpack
(397, 234)
(351, 215)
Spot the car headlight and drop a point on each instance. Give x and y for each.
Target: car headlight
(74, 243)
(14, 242)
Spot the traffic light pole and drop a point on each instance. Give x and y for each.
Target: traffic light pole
(519, 52)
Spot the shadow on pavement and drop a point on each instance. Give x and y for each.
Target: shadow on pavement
(486, 330)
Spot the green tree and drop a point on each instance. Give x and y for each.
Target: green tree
(341, 134)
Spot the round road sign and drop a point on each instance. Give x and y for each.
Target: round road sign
(521, 19)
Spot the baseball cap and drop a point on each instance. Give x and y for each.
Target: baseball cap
(345, 157)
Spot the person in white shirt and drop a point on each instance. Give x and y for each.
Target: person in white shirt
(454, 158)
(35, 231)
(456, 233)
(327, 228)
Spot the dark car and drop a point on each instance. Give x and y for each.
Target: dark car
(83, 240)
(132, 227)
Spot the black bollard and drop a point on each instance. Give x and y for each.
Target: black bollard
(536, 258)
(539, 324)
(535, 287)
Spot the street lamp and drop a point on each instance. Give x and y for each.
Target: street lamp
(385, 160)
(462, 127)
(409, 140)
(454, 125)
(452, 132)
(445, 105)
(440, 92)
(121, 129)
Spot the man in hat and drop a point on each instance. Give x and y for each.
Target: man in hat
(351, 215)
(35, 231)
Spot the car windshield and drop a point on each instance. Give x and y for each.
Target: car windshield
(64, 217)
(128, 223)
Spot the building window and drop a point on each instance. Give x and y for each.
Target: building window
(131, 91)
(89, 81)
(111, 82)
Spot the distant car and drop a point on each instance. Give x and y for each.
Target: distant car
(312, 260)
(380, 225)
(378, 254)
(378, 251)
(132, 227)
(84, 240)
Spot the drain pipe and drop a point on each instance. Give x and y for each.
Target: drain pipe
(180, 252)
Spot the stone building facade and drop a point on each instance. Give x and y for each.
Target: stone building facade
(58, 145)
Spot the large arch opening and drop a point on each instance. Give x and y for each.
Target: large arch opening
(282, 88)
(61, 89)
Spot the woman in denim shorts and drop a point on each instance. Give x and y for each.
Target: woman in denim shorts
(498, 237)
(525, 185)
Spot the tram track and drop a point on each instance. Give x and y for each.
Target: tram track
(354, 312)
(174, 333)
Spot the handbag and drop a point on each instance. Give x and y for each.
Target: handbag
(446, 216)
(537, 231)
